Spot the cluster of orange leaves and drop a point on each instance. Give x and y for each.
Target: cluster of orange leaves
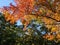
(53, 35)
(22, 8)
(9, 17)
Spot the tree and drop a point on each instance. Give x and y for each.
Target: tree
(45, 11)
(12, 34)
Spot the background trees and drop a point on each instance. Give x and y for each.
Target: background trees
(12, 34)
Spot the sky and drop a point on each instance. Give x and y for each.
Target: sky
(6, 2)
